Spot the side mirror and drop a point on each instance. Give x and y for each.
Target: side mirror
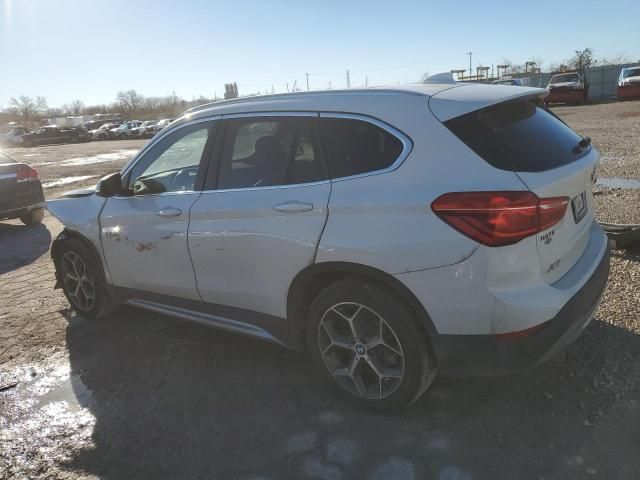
(109, 186)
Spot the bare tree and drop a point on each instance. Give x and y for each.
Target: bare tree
(41, 105)
(74, 108)
(93, 109)
(130, 100)
(616, 59)
(582, 60)
(28, 108)
(152, 103)
(56, 112)
(77, 106)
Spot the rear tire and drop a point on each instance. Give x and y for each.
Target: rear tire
(33, 217)
(82, 280)
(369, 346)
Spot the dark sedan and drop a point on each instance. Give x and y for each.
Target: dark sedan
(21, 193)
(51, 134)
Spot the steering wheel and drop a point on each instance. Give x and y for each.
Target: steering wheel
(184, 179)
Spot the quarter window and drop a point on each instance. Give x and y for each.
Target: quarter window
(268, 151)
(355, 146)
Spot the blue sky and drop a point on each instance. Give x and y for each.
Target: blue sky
(90, 49)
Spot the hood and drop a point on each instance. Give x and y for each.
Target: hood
(635, 79)
(80, 192)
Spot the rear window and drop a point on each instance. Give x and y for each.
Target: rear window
(355, 146)
(518, 136)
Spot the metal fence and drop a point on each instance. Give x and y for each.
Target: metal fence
(603, 80)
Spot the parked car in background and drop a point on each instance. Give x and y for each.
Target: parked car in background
(13, 138)
(629, 83)
(145, 129)
(21, 193)
(51, 134)
(82, 133)
(570, 87)
(508, 81)
(160, 125)
(263, 216)
(95, 124)
(102, 133)
(125, 130)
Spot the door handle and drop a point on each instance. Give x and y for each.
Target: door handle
(293, 207)
(169, 212)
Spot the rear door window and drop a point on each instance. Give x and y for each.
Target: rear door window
(518, 136)
(354, 146)
(268, 151)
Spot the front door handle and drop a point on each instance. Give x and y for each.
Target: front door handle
(169, 212)
(293, 207)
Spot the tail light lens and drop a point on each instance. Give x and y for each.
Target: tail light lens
(26, 174)
(499, 218)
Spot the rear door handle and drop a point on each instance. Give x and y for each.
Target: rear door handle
(293, 207)
(169, 212)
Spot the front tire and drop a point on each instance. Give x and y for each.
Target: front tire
(33, 217)
(82, 280)
(369, 346)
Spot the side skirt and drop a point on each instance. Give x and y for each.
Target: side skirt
(245, 322)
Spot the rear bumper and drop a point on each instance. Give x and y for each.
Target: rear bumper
(19, 212)
(484, 355)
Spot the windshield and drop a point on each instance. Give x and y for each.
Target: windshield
(569, 77)
(632, 72)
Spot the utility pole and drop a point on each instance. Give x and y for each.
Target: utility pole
(366, 82)
(307, 81)
(287, 87)
(470, 53)
(348, 80)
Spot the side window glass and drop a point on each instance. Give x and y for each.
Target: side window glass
(269, 151)
(355, 146)
(172, 164)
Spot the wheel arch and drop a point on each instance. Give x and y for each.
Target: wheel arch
(308, 283)
(66, 235)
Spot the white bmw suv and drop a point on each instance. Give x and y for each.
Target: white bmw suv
(392, 233)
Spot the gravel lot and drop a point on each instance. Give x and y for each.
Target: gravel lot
(143, 396)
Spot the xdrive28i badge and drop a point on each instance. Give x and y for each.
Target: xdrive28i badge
(547, 237)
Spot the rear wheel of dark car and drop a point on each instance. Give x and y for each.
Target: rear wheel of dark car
(33, 217)
(369, 345)
(82, 279)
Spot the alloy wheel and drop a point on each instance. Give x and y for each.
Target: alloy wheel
(77, 281)
(360, 350)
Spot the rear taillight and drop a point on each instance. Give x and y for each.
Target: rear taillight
(499, 218)
(26, 174)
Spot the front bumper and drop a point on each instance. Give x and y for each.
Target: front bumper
(566, 95)
(629, 91)
(485, 355)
